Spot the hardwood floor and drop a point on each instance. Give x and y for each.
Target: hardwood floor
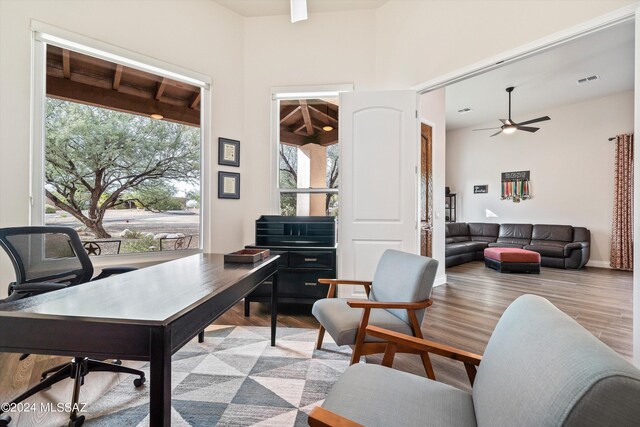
(464, 313)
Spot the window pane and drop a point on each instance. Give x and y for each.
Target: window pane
(126, 182)
(309, 149)
(317, 204)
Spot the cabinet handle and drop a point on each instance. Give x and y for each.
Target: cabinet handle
(309, 283)
(311, 259)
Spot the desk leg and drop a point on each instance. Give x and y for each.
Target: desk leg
(274, 308)
(160, 377)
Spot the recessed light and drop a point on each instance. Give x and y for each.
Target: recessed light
(464, 110)
(156, 116)
(327, 128)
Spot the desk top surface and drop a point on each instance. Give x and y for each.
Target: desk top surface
(150, 295)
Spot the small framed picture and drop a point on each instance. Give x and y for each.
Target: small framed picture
(228, 185)
(228, 152)
(480, 189)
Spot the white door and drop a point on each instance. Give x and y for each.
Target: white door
(379, 136)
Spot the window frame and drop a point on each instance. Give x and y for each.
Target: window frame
(44, 34)
(295, 92)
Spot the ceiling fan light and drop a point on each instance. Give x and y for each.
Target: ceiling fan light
(509, 129)
(298, 10)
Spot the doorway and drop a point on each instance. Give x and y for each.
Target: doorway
(426, 189)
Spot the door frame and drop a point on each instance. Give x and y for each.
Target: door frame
(618, 16)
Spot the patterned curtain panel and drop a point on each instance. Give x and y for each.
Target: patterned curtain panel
(622, 235)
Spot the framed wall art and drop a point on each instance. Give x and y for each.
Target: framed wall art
(228, 152)
(228, 185)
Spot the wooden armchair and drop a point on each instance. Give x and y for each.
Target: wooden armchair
(397, 299)
(540, 368)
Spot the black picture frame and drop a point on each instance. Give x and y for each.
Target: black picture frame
(225, 193)
(228, 152)
(480, 189)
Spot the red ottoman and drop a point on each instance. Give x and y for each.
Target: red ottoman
(512, 260)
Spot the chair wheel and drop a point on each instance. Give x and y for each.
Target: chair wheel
(139, 381)
(4, 420)
(77, 422)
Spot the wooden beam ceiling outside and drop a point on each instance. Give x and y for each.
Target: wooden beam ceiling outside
(195, 101)
(307, 117)
(161, 87)
(70, 90)
(117, 77)
(66, 64)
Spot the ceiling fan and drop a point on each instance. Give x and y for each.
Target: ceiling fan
(509, 126)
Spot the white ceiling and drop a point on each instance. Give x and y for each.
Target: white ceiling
(281, 7)
(547, 79)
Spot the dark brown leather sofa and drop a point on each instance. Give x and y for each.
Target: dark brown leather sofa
(560, 246)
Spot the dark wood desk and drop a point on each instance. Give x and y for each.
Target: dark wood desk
(147, 314)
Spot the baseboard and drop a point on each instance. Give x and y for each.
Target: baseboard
(440, 280)
(598, 264)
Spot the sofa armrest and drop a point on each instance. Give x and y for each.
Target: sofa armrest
(570, 247)
(419, 305)
(320, 417)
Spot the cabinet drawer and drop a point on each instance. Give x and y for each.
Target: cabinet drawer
(311, 259)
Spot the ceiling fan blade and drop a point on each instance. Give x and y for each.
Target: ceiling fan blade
(488, 128)
(497, 133)
(526, 129)
(532, 121)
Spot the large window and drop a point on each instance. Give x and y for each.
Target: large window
(122, 155)
(308, 156)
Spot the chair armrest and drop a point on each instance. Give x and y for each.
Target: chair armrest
(425, 346)
(110, 271)
(333, 284)
(320, 417)
(389, 305)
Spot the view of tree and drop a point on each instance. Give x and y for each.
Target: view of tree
(98, 159)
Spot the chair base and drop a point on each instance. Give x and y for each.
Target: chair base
(77, 369)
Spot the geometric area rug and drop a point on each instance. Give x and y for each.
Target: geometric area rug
(235, 378)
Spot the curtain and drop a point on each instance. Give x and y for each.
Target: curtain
(622, 235)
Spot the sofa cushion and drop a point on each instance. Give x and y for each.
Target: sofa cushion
(541, 368)
(506, 245)
(342, 321)
(552, 249)
(375, 396)
(515, 234)
(455, 249)
(456, 229)
(561, 233)
(484, 232)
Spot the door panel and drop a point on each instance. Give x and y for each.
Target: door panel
(379, 137)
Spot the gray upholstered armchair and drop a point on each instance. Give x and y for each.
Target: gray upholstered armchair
(540, 368)
(397, 299)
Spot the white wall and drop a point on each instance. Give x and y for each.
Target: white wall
(432, 112)
(571, 163)
(197, 35)
(417, 40)
(329, 48)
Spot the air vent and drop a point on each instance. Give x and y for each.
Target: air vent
(464, 110)
(588, 79)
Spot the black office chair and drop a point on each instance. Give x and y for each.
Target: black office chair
(50, 258)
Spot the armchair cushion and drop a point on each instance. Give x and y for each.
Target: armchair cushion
(342, 321)
(373, 395)
(403, 277)
(541, 368)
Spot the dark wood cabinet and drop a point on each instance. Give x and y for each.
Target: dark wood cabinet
(307, 249)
